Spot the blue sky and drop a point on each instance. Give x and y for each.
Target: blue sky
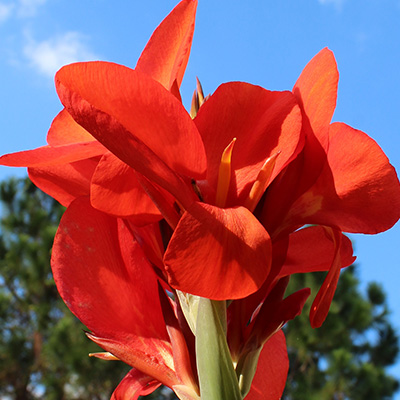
(262, 42)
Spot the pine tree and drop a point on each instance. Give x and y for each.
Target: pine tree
(348, 356)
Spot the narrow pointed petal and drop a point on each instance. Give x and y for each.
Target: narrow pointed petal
(263, 122)
(166, 54)
(274, 313)
(312, 249)
(52, 155)
(135, 384)
(273, 365)
(115, 190)
(121, 107)
(96, 265)
(182, 359)
(316, 92)
(151, 356)
(358, 190)
(323, 299)
(218, 253)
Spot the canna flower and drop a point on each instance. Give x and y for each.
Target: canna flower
(225, 202)
(248, 171)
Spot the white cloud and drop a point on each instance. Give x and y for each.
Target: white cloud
(5, 11)
(19, 8)
(50, 55)
(28, 8)
(337, 3)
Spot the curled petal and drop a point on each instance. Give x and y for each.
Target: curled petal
(135, 384)
(218, 253)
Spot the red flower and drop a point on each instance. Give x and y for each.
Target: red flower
(233, 189)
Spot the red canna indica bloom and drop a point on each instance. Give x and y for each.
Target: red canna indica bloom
(224, 203)
(251, 168)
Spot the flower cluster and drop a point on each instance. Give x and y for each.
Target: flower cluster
(182, 224)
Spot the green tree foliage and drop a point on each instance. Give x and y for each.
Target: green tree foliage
(43, 348)
(347, 358)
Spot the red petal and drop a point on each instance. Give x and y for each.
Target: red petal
(316, 91)
(64, 130)
(166, 54)
(52, 155)
(218, 253)
(273, 365)
(149, 355)
(65, 182)
(323, 299)
(312, 249)
(115, 190)
(274, 314)
(96, 264)
(121, 107)
(135, 384)
(357, 191)
(263, 122)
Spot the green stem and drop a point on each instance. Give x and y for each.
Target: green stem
(217, 376)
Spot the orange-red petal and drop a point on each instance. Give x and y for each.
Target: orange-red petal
(316, 92)
(358, 190)
(218, 253)
(139, 104)
(166, 54)
(53, 155)
(64, 130)
(137, 120)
